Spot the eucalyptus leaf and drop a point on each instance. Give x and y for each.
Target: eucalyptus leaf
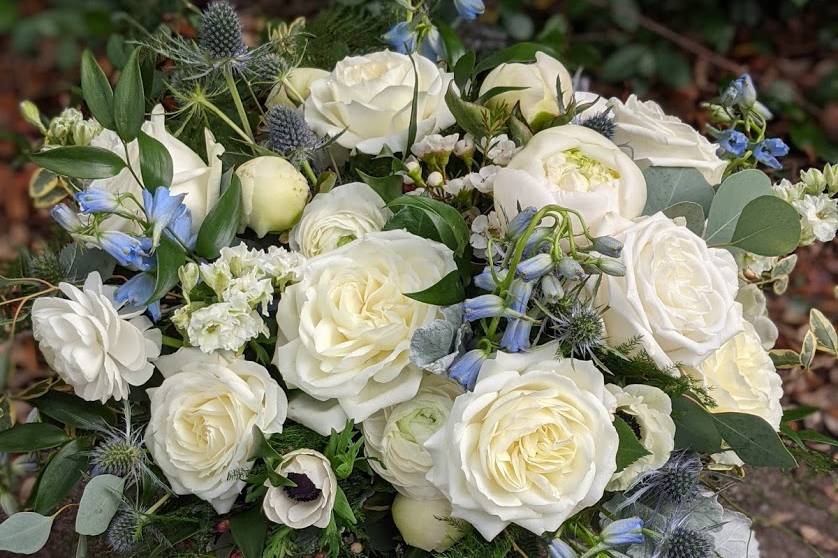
(80, 161)
(25, 532)
(692, 213)
(156, 164)
(733, 195)
(753, 440)
(668, 186)
(27, 437)
(129, 100)
(96, 90)
(61, 474)
(99, 503)
(630, 449)
(220, 225)
(79, 261)
(767, 226)
(694, 427)
(445, 292)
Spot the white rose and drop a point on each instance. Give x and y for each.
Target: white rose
(663, 140)
(368, 100)
(426, 524)
(394, 436)
(647, 409)
(202, 417)
(755, 311)
(677, 295)
(320, 416)
(539, 78)
(191, 175)
(309, 503)
(337, 217)
(93, 343)
(345, 328)
(741, 378)
(294, 88)
(274, 194)
(533, 444)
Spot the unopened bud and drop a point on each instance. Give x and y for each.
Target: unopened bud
(31, 114)
(611, 267)
(551, 288)
(608, 246)
(570, 269)
(435, 179)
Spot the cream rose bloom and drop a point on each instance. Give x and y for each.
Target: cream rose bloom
(574, 167)
(369, 98)
(274, 194)
(309, 503)
(426, 524)
(294, 88)
(95, 344)
(394, 437)
(646, 409)
(533, 444)
(677, 294)
(202, 418)
(338, 216)
(741, 378)
(539, 78)
(345, 328)
(320, 416)
(663, 140)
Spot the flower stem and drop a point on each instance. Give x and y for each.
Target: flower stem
(234, 92)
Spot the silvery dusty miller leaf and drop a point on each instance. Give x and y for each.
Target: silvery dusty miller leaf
(435, 346)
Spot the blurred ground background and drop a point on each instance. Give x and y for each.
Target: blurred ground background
(675, 52)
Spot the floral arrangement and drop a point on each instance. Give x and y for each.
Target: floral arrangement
(413, 303)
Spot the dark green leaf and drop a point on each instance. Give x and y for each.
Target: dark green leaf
(219, 228)
(471, 117)
(170, 256)
(450, 226)
(414, 108)
(817, 438)
(768, 226)
(753, 440)
(464, 69)
(155, 162)
(129, 100)
(26, 437)
(694, 427)
(521, 52)
(61, 474)
(691, 212)
(96, 90)
(630, 448)
(248, 529)
(72, 410)
(519, 130)
(451, 41)
(495, 91)
(731, 198)
(667, 186)
(798, 413)
(445, 292)
(388, 187)
(342, 508)
(80, 161)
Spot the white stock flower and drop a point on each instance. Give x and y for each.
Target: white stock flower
(820, 217)
(309, 503)
(677, 294)
(93, 343)
(533, 444)
(345, 328)
(539, 78)
(338, 216)
(202, 418)
(225, 326)
(574, 167)
(648, 408)
(663, 140)
(394, 436)
(368, 99)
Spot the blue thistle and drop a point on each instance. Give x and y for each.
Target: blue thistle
(123, 534)
(676, 483)
(118, 455)
(221, 31)
(683, 542)
(602, 122)
(288, 133)
(579, 327)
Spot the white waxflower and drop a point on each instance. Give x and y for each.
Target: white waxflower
(434, 144)
(339, 216)
(755, 311)
(309, 503)
(435, 179)
(94, 344)
(394, 436)
(225, 326)
(820, 217)
(501, 150)
(464, 146)
(647, 409)
(483, 227)
(457, 185)
(203, 415)
(484, 180)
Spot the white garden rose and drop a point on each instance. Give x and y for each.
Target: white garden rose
(309, 503)
(394, 437)
(368, 99)
(574, 167)
(663, 140)
(539, 78)
(201, 182)
(677, 295)
(741, 378)
(647, 410)
(202, 418)
(274, 194)
(426, 524)
(95, 344)
(533, 444)
(294, 88)
(338, 216)
(345, 328)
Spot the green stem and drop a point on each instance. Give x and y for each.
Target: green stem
(226, 119)
(234, 92)
(172, 342)
(309, 172)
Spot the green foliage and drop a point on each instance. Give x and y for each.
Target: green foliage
(296, 436)
(220, 226)
(630, 448)
(341, 30)
(25, 532)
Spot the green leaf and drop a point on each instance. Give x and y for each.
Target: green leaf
(630, 448)
(219, 227)
(691, 212)
(155, 162)
(733, 195)
(798, 413)
(69, 409)
(170, 256)
(449, 225)
(248, 529)
(61, 474)
(626, 62)
(807, 350)
(784, 358)
(471, 117)
(388, 187)
(521, 52)
(25, 532)
(414, 111)
(753, 440)
(96, 90)
(454, 49)
(129, 100)
(342, 508)
(495, 91)
(81, 547)
(817, 438)
(101, 499)
(768, 226)
(80, 161)
(823, 330)
(464, 69)
(445, 292)
(23, 438)
(668, 186)
(694, 427)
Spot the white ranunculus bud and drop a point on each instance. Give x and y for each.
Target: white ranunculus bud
(309, 503)
(539, 78)
(294, 88)
(274, 194)
(426, 524)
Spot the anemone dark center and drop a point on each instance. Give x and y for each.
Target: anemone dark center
(305, 491)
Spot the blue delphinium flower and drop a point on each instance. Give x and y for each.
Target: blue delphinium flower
(128, 250)
(623, 531)
(560, 549)
(469, 9)
(465, 369)
(732, 142)
(767, 151)
(162, 209)
(431, 46)
(98, 201)
(484, 306)
(740, 91)
(66, 217)
(136, 291)
(401, 37)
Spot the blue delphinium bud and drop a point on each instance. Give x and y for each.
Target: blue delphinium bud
(608, 246)
(535, 267)
(516, 337)
(469, 9)
(162, 209)
(97, 201)
(611, 267)
(623, 531)
(466, 368)
(551, 288)
(129, 251)
(732, 142)
(401, 37)
(519, 295)
(519, 223)
(560, 549)
(484, 306)
(741, 91)
(767, 151)
(66, 217)
(484, 280)
(136, 291)
(570, 269)
(432, 47)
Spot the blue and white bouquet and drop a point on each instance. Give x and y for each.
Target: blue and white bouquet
(413, 303)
